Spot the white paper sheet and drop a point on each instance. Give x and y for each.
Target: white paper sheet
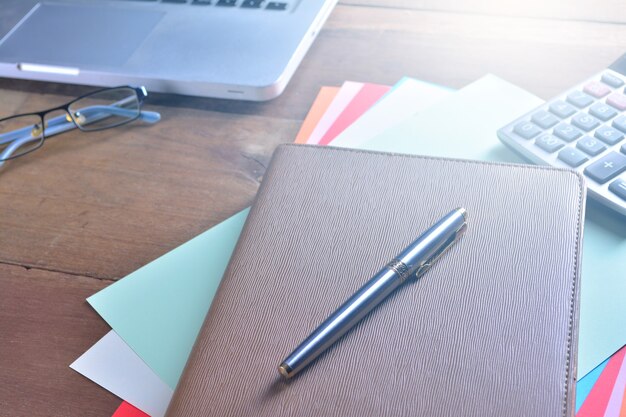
(112, 364)
(408, 97)
(348, 90)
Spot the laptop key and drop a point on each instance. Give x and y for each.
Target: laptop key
(251, 4)
(623, 148)
(612, 80)
(603, 111)
(590, 146)
(579, 99)
(562, 109)
(567, 132)
(226, 3)
(618, 187)
(276, 5)
(585, 122)
(572, 157)
(201, 2)
(608, 135)
(527, 130)
(606, 168)
(544, 119)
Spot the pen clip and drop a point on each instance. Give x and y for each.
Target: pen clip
(440, 251)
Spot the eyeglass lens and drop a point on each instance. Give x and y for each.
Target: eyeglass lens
(20, 135)
(105, 109)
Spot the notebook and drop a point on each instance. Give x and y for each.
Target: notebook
(498, 310)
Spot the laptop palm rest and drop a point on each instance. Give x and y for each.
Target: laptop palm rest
(79, 36)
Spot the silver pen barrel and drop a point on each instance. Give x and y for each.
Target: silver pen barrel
(414, 260)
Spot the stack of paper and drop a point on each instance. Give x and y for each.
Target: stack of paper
(156, 312)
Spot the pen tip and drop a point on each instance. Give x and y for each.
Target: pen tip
(285, 370)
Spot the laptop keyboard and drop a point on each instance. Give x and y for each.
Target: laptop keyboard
(242, 4)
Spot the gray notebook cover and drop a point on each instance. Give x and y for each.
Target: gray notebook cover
(490, 330)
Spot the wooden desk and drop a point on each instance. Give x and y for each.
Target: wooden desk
(88, 209)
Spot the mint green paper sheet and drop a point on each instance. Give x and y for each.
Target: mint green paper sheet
(158, 310)
(464, 126)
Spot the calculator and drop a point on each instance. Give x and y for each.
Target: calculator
(582, 129)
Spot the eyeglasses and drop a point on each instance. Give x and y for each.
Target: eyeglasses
(102, 109)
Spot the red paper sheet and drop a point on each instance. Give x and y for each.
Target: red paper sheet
(365, 98)
(598, 398)
(128, 410)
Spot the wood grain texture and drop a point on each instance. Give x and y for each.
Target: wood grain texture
(89, 200)
(99, 205)
(45, 324)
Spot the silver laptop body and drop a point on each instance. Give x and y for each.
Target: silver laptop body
(238, 49)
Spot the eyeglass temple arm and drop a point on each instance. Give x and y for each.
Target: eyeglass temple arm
(13, 146)
(96, 113)
(60, 124)
(63, 125)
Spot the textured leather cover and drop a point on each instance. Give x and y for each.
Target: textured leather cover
(490, 330)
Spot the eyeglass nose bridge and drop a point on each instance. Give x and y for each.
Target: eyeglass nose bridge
(67, 117)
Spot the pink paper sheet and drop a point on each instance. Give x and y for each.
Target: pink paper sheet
(348, 91)
(617, 396)
(596, 403)
(362, 101)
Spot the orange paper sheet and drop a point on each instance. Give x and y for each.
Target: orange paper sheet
(623, 412)
(365, 98)
(128, 410)
(319, 107)
(598, 398)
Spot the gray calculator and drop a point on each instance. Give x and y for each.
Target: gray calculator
(583, 129)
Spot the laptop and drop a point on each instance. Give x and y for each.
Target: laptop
(236, 49)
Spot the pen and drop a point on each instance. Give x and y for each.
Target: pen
(415, 260)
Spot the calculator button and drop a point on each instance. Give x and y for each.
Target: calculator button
(618, 187)
(526, 130)
(617, 100)
(597, 89)
(549, 143)
(620, 123)
(590, 146)
(607, 167)
(603, 111)
(612, 80)
(608, 135)
(572, 157)
(567, 132)
(544, 119)
(585, 122)
(579, 99)
(562, 109)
